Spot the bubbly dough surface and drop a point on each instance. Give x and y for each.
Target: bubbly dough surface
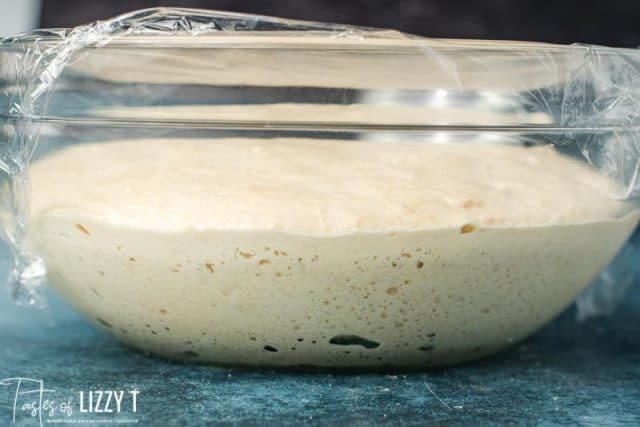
(328, 253)
(318, 187)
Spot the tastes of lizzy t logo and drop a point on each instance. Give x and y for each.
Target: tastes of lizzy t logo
(29, 398)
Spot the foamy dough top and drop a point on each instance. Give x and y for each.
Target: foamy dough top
(318, 187)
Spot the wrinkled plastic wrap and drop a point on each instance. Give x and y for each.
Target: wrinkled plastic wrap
(581, 97)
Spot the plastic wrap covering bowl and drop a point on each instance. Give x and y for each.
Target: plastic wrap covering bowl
(236, 189)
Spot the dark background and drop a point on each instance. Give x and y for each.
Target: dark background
(613, 22)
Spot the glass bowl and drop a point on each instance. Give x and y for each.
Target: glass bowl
(296, 194)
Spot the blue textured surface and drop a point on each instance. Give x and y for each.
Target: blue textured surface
(568, 373)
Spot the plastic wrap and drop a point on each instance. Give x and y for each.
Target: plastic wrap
(583, 99)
